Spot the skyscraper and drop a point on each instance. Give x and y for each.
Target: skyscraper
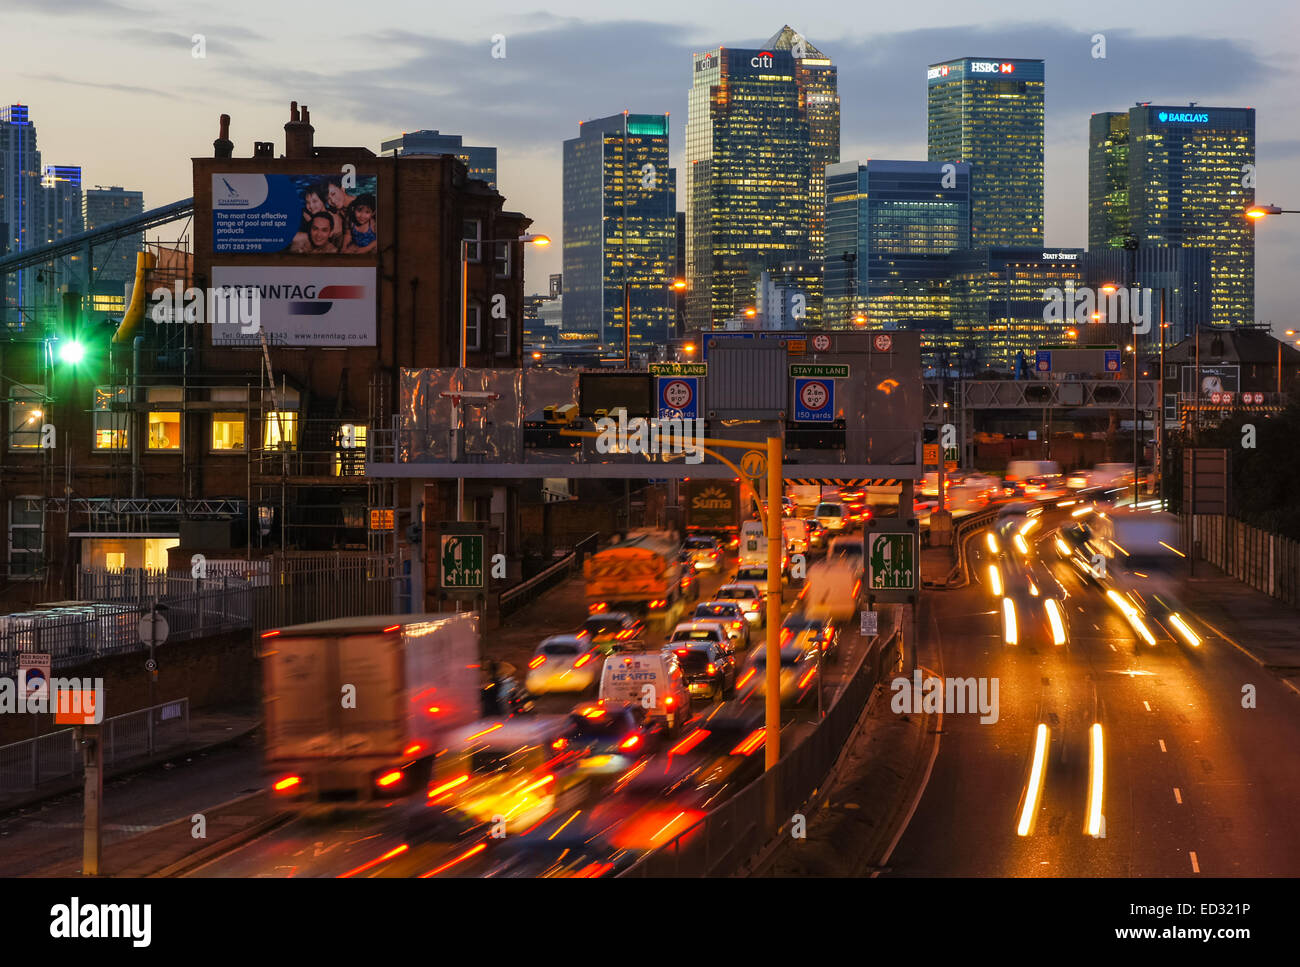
(1108, 216)
(819, 93)
(1186, 171)
(64, 216)
(989, 114)
(22, 216)
(620, 231)
(482, 162)
(890, 227)
(748, 168)
(114, 264)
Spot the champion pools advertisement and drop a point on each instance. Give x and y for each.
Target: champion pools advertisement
(299, 305)
(301, 214)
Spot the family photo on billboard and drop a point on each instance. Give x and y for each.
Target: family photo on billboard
(305, 214)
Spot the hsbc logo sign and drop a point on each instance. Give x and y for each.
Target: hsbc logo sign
(764, 59)
(991, 67)
(934, 72)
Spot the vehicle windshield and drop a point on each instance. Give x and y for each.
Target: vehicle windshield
(717, 610)
(695, 660)
(560, 648)
(700, 543)
(697, 634)
(829, 510)
(738, 593)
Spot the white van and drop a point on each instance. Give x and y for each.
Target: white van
(795, 532)
(1020, 470)
(647, 676)
(833, 516)
(753, 545)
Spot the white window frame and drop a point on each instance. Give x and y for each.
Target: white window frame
(117, 420)
(161, 400)
(34, 573)
(503, 261)
(474, 251)
(500, 333)
(22, 393)
(474, 328)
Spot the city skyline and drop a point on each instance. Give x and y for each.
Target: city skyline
(521, 100)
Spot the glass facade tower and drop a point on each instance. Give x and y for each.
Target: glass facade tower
(1186, 166)
(1108, 217)
(620, 229)
(989, 114)
(748, 164)
(891, 226)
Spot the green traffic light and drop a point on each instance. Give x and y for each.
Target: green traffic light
(71, 351)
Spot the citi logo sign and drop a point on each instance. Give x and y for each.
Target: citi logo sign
(325, 298)
(1184, 117)
(764, 59)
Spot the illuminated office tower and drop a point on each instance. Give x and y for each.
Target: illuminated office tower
(481, 161)
(620, 230)
(989, 114)
(819, 92)
(22, 221)
(748, 161)
(1185, 187)
(890, 227)
(1108, 218)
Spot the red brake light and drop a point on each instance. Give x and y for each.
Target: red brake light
(583, 660)
(270, 634)
(437, 791)
(388, 778)
(668, 702)
(631, 742)
(560, 743)
(683, 651)
(690, 742)
(712, 669)
(287, 783)
(751, 742)
(391, 628)
(537, 662)
(412, 749)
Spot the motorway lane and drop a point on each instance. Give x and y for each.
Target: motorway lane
(378, 844)
(1171, 718)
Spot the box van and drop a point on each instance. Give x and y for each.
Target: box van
(753, 545)
(832, 590)
(795, 532)
(647, 676)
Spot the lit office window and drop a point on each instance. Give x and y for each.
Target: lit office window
(280, 432)
(164, 425)
(112, 428)
(228, 431)
(26, 416)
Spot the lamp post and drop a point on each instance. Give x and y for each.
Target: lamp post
(541, 241)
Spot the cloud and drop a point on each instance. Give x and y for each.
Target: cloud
(100, 86)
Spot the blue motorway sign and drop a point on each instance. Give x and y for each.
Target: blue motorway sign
(679, 397)
(814, 400)
(1112, 360)
(1043, 361)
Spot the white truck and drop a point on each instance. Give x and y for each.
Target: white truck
(832, 590)
(356, 707)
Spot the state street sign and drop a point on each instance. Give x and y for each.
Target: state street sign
(892, 561)
(462, 561)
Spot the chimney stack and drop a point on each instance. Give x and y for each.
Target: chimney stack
(299, 141)
(223, 147)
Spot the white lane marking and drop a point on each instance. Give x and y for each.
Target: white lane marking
(1148, 706)
(1178, 796)
(1162, 746)
(1112, 645)
(1196, 867)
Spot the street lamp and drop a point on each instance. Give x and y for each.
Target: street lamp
(1262, 211)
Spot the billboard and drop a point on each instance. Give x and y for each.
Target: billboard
(1217, 378)
(301, 305)
(301, 214)
(712, 504)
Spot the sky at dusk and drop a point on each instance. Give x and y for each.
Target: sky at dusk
(114, 87)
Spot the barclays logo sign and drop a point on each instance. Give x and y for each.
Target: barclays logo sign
(1183, 118)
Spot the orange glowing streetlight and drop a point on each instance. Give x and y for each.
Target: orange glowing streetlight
(679, 284)
(1109, 288)
(751, 312)
(689, 348)
(1262, 211)
(860, 319)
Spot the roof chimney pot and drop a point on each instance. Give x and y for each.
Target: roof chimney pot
(223, 147)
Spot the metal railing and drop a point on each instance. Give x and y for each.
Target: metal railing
(742, 828)
(25, 765)
(522, 594)
(1262, 560)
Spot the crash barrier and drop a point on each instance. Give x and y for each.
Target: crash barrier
(1263, 560)
(732, 835)
(523, 594)
(26, 765)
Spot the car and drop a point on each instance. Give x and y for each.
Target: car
(1045, 487)
(798, 674)
(749, 597)
(566, 844)
(611, 630)
(800, 630)
(730, 614)
(604, 738)
(707, 630)
(690, 581)
(834, 517)
(817, 536)
(725, 748)
(848, 549)
(705, 553)
(563, 663)
(708, 668)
